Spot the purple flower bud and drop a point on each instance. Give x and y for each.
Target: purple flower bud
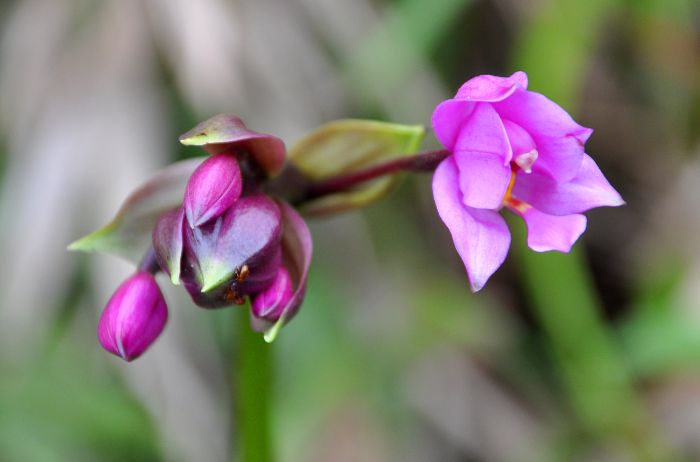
(213, 187)
(235, 254)
(134, 317)
(269, 303)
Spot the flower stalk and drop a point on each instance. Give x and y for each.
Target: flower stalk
(289, 183)
(251, 377)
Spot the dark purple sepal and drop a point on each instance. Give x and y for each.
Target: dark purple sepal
(297, 248)
(167, 242)
(234, 246)
(227, 133)
(213, 187)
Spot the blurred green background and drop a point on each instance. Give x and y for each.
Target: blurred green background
(593, 356)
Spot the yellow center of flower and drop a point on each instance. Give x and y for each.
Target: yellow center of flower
(508, 199)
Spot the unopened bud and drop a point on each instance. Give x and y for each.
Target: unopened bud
(269, 303)
(235, 250)
(213, 187)
(133, 318)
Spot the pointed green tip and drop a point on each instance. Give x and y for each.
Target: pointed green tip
(208, 286)
(213, 275)
(271, 334)
(191, 141)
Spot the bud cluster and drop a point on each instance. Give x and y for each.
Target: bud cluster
(226, 242)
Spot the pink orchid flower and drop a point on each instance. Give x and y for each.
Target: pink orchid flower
(512, 148)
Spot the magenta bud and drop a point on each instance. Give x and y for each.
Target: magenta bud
(213, 187)
(269, 303)
(133, 318)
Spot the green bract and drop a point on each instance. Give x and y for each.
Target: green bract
(129, 233)
(346, 146)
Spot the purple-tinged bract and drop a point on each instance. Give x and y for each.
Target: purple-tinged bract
(167, 242)
(133, 318)
(517, 149)
(213, 187)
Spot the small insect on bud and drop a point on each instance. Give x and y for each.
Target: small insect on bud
(133, 318)
(213, 187)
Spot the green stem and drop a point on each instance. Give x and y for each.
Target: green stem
(593, 374)
(252, 375)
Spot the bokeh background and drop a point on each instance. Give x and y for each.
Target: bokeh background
(594, 356)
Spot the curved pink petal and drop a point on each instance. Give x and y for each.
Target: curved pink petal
(483, 179)
(491, 88)
(549, 232)
(448, 118)
(558, 137)
(587, 190)
(462, 126)
(481, 237)
(484, 132)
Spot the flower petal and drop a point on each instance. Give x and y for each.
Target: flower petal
(297, 248)
(587, 190)
(448, 118)
(462, 126)
(549, 232)
(558, 137)
(484, 132)
(492, 88)
(481, 237)
(483, 179)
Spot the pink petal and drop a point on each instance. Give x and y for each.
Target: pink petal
(587, 190)
(484, 132)
(448, 118)
(481, 237)
(559, 139)
(549, 232)
(483, 179)
(462, 126)
(492, 88)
